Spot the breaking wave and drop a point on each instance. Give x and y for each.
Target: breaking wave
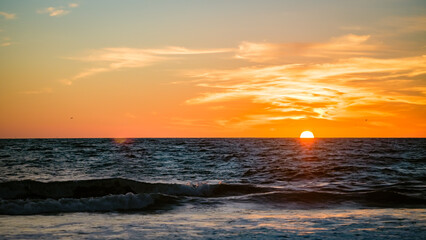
(29, 189)
(117, 194)
(121, 202)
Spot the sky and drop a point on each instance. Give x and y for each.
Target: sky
(212, 68)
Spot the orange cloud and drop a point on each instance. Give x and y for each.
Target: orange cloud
(54, 12)
(322, 91)
(344, 46)
(58, 11)
(117, 58)
(8, 16)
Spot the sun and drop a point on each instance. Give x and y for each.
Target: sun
(307, 134)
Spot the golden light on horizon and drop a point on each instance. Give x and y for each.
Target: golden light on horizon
(122, 141)
(307, 134)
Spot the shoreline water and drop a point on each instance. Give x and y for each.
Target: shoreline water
(222, 222)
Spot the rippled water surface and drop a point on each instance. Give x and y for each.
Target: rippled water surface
(246, 187)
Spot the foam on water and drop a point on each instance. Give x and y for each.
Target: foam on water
(33, 197)
(29, 189)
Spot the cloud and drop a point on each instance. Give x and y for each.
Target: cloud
(36, 92)
(52, 11)
(58, 11)
(322, 91)
(327, 80)
(118, 58)
(8, 16)
(344, 46)
(340, 79)
(394, 29)
(5, 42)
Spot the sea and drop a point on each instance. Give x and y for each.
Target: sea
(213, 188)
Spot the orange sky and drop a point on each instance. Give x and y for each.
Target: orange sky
(212, 69)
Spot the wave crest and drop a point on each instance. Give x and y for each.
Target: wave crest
(29, 189)
(122, 202)
(117, 194)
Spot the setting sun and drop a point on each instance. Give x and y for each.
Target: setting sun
(307, 134)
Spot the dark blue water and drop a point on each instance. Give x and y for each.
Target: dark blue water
(176, 176)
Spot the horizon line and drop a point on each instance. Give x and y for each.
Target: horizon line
(23, 138)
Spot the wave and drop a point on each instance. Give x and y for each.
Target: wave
(117, 194)
(121, 202)
(29, 189)
(100, 195)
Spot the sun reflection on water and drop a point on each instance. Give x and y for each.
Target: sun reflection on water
(307, 142)
(122, 141)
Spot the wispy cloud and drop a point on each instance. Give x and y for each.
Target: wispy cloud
(58, 11)
(351, 77)
(38, 91)
(391, 27)
(52, 11)
(5, 42)
(112, 59)
(344, 46)
(338, 79)
(8, 16)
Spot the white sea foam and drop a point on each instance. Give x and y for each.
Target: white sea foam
(115, 186)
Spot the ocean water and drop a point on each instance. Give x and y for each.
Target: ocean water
(213, 188)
